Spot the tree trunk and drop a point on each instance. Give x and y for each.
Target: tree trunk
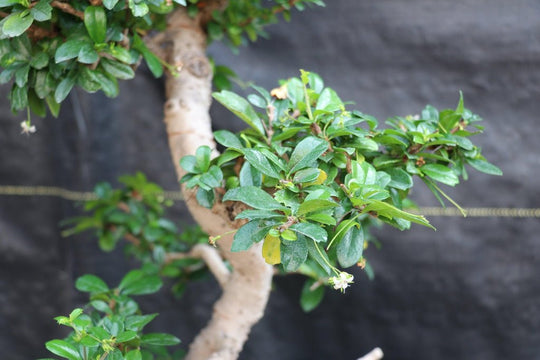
(246, 289)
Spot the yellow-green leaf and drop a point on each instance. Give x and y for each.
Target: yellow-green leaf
(271, 250)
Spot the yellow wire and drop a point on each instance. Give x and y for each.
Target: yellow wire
(177, 196)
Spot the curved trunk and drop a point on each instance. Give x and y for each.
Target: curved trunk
(246, 290)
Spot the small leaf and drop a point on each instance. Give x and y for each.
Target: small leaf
(117, 69)
(17, 23)
(329, 101)
(310, 299)
(133, 355)
(260, 162)
(64, 88)
(314, 205)
(136, 282)
(484, 166)
(440, 173)
(91, 283)
(294, 253)
(318, 254)
(109, 4)
(271, 250)
(350, 248)
(400, 179)
(247, 235)
(241, 108)
(42, 11)
(202, 154)
(160, 339)
(63, 348)
(95, 22)
(306, 152)
(310, 230)
(254, 197)
(389, 211)
(227, 139)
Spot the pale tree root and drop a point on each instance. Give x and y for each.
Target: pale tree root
(247, 288)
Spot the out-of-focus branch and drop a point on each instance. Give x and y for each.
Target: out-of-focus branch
(375, 354)
(210, 256)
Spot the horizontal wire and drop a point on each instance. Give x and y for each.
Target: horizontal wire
(177, 196)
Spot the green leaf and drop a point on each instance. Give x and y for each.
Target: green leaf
(247, 235)
(254, 197)
(39, 60)
(294, 253)
(64, 88)
(249, 176)
(260, 162)
(153, 62)
(138, 322)
(460, 107)
(389, 211)
(440, 173)
(138, 9)
(329, 101)
(258, 214)
(241, 108)
(310, 299)
(318, 254)
(17, 23)
(117, 69)
(227, 139)
(306, 175)
(126, 336)
(310, 230)
(5, 3)
(213, 177)
(109, 4)
(484, 166)
(18, 97)
(350, 248)
(400, 179)
(133, 355)
(63, 348)
(288, 234)
(205, 197)
(202, 154)
(95, 22)
(189, 163)
(42, 11)
(160, 339)
(306, 153)
(91, 283)
(109, 85)
(69, 50)
(136, 282)
(310, 206)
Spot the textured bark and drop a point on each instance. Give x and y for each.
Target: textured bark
(246, 290)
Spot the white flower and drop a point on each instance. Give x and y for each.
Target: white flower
(412, 117)
(342, 281)
(27, 128)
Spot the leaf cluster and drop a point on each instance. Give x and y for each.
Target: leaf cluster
(316, 176)
(136, 212)
(111, 325)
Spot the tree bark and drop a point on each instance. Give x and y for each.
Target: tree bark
(246, 289)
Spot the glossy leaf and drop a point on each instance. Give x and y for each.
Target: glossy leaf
(306, 153)
(160, 339)
(95, 22)
(254, 197)
(241, 108)
(294, 253)
(310, 230)
(64, 349)
(136, 282)
(17, 23)
(440, 173)
(91, 283)
(484, 166)
(311, 296)
(260, 162)
(315, 205)
(350, 248)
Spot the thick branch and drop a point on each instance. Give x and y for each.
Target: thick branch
(211, 258)
(67, 8)
(246, 291)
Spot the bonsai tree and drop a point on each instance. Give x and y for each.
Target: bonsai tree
(296, 191)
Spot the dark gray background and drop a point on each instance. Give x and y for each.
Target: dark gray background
(470, 290)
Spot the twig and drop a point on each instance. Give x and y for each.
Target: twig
(210, 256)
(374, 354)
(67, 8)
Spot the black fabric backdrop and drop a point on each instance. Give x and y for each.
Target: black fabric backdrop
(470, 290)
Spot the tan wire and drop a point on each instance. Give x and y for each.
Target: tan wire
(177, 196)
